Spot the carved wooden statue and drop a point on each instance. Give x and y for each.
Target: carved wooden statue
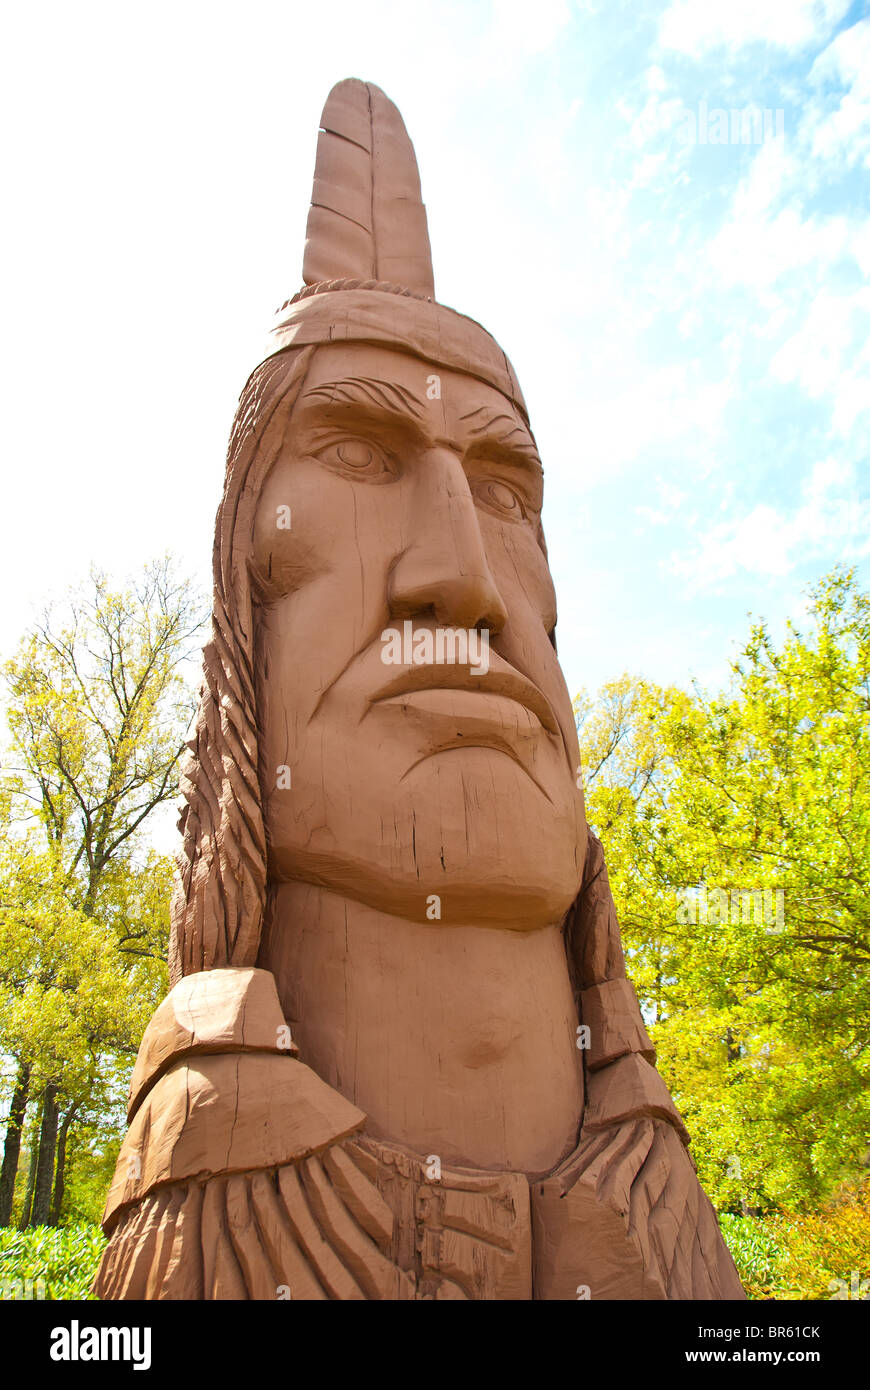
(393, 936)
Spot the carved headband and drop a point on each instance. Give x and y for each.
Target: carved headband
(431, 331)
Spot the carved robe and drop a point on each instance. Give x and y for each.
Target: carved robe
(244, 1176)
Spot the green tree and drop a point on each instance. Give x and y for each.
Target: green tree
(97, 705)
(73, 1006)
(737, 830)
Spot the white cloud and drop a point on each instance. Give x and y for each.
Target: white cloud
(659, 115)
(757, 250)
(767, 541)
(767, 234)
(696, 26)
(655, 122)
(771, 173)
(670, 406)
(846, 57)
(529, 29)
(861, 249)
(670, 495)
(852, 396)
(843, 133)
(671, 499)
(829, 355)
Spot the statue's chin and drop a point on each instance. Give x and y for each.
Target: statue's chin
(516, 894)
(492, 841)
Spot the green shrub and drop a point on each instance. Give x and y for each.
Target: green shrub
(818, 1254)
(760, 1259)
(49, 1262)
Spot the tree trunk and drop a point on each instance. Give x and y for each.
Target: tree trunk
(60, 1172)
(12, 1146)
(31, 1171)
(41, 1213)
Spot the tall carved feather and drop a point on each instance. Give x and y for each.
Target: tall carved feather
(367, 220)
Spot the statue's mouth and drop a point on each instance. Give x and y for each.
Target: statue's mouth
(460, 681)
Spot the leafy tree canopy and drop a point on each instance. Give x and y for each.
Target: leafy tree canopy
(737, 834)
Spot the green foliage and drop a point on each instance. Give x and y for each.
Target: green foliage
(90, 1169)
(67, 992)
(97, 707)
(49, 1263)
(813, 1255)
(73, 1004)
(760, 1259)
(761, 1018)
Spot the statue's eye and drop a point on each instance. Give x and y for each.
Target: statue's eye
(500, 498)
(359, 458)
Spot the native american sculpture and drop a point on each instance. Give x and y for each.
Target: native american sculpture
(393, 936)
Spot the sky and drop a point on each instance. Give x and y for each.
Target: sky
(682, 286)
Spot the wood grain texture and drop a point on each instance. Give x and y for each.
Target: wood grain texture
(227, 1113)
(629, 1088)
(224, 1010)
(612, 1014)
(625, 1218)
(623, 1215)
(285, 1233)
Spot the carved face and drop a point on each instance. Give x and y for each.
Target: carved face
(409, 494)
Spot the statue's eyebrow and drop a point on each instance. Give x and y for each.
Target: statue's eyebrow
(365, 390)
(498, 425)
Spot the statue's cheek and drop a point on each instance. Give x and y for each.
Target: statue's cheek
(313, 524)
(303, 525)
(519, 568)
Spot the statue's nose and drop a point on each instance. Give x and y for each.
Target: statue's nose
(444, 568)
